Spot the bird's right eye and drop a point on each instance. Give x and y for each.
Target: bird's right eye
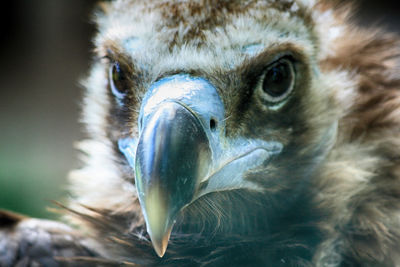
(118, 81)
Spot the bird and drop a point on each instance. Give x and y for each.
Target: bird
(230, 133)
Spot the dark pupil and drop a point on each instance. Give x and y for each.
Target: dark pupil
(118, 78)
(277, 80)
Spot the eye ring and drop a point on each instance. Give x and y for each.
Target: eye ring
(118, 81)
(278, 81)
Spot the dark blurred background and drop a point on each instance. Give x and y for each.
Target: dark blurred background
(45, 51)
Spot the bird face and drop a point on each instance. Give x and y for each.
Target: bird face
(183, 153)
(201, 104)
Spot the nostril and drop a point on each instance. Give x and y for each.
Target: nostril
(213, 124)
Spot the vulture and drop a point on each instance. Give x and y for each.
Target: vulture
(229, 133)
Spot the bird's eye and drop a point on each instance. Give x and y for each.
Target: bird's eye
(278, 81)
(118, 81)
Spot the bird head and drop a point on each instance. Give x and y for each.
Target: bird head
(190, 100)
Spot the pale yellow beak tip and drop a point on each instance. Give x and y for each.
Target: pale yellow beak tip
(160, 245)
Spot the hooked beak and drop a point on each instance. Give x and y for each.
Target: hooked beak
(180, 147)
(173, 154)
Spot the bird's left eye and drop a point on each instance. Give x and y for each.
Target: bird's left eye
(278, 81)
(118, 80)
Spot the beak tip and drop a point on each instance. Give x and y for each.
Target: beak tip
(160, 250)
(160, 244)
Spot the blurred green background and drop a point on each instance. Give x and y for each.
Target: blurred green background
(45, 51)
